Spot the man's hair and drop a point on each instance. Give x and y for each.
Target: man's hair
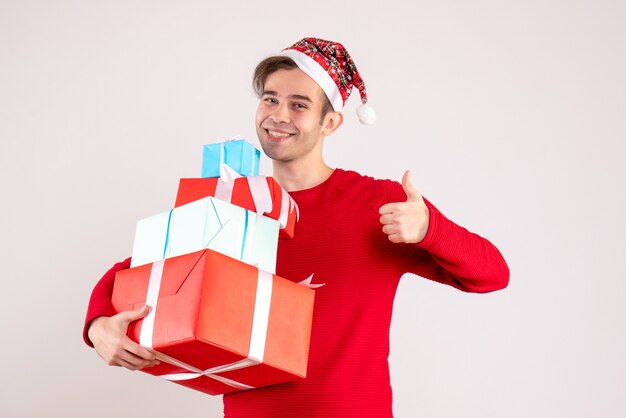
(272, 64)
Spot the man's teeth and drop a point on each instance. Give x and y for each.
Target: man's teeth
(278, 134)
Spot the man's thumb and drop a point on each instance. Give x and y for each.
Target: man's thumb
(138, 313)
(411, 194)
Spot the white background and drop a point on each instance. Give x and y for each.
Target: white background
(510, 114)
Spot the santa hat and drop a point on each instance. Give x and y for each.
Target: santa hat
(330, 66)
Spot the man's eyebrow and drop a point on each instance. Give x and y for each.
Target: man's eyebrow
(301, 97)
(293, 96)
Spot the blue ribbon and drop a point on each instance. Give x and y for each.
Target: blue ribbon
(245, 232)
(167, 234)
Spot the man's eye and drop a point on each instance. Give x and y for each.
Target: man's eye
(299, 106)
(270, 100)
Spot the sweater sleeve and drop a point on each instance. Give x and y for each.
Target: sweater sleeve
(469, 262)
(100, 301)
(449, 253)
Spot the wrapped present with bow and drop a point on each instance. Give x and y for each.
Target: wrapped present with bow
(260, 194)
(218, 325)
(237, 155)
(207, 223)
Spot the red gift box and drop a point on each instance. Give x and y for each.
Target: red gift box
(218, 325)
(259, 194)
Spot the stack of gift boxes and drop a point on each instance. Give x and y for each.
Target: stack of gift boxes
(220, 319)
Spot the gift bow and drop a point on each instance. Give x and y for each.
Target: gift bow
(261, 196)
(258, 335)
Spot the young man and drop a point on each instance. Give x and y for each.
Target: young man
(356, 235)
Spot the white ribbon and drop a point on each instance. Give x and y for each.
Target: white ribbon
(227, 173)
(224, 190)
(258, 333)
(295, 205)
(260, 190)
(152, 298)
(307, 283)
(284, 209)
(196, 373)
(261, 195)
(261, 316)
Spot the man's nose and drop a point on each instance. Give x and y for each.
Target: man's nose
(280, 113)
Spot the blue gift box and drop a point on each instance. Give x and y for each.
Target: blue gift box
(238, 154)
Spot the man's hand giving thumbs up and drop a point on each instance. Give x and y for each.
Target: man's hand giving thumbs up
(405, 221)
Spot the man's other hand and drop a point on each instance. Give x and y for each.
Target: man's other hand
(405, 221)
(108, 335)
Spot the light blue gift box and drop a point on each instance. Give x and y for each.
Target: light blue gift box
(208, 223)
(238, 154)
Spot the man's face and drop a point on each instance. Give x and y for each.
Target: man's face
(288, 116)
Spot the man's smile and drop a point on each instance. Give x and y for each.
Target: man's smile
(277, 134)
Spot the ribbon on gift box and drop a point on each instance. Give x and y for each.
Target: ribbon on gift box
(287, 202)
(248, 237)
(227, 173)
(258, 334)
(261, 195)
(225, 170)
(246, 241)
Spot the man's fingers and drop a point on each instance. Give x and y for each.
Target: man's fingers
(139, 351)
(136, 361)
(389, 229)
(411, 194)
(393, 233)
(130, 316)
(396, 211)
(127, 357)
(134, 354)
(131, 364)
(395, 238)
(126, 364)
(387, 208)
(108, 335)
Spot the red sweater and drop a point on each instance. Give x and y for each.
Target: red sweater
(339, 239)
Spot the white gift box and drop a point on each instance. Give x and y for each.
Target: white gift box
(208, 223)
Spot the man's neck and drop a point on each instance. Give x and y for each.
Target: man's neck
(294, 177)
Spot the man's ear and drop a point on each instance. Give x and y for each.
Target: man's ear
(332, 121)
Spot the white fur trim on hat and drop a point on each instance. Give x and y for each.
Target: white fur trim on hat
(318, 74)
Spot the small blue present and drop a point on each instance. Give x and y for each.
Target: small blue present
(238, 154)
